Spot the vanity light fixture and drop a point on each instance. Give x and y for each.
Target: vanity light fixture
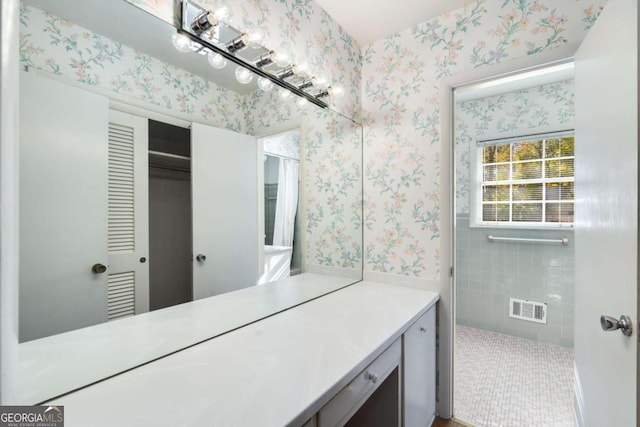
(306, 84)
(246, 39)
(181, 43)
(284, 93)
(243, 75)
(204, 22)
(279, 59)
(202, 31)
(265, 84)
(216, 60)
(293, 70)
(330, 91)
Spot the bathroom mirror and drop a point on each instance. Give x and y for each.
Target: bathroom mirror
(158, 192)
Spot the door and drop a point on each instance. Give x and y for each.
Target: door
(128, 226)
(225, 214)
(419, 371)
(63, 207)
(606, 220)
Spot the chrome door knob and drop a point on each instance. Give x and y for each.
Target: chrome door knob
(98, 268)
(201, 258)
(609, 323)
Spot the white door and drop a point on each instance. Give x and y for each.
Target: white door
(128, 227)
(63, 207)
(225, 214)
(606, 234)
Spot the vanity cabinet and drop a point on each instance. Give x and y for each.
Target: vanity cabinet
(419, 371)
(397, 389)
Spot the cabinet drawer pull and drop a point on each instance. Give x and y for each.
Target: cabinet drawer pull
(371, 377)
(423, 329)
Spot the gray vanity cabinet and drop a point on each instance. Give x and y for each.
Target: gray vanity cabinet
(419, 371)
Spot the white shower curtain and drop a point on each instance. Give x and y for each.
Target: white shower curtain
(286, 202)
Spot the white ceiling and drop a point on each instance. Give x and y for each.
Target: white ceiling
(370, 20)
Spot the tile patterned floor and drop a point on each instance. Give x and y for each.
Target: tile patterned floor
(504, 381)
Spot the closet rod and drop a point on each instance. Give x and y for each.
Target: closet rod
(563, 241)
(172, 156)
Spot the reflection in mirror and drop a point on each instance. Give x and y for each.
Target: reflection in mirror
(282, 252)
(148, 178)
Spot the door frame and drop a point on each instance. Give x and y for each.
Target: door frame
(447, 289)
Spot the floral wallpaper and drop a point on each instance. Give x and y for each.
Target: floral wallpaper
(333, 189)
(331, 143)
(550, 106)
(300, 28)
(400, 90)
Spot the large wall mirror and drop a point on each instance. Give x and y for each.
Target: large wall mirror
(158, 192)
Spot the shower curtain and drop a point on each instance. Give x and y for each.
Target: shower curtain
(286, 202)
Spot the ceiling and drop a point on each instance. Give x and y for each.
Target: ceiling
(370, 20)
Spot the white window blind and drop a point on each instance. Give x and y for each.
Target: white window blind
(526, 181)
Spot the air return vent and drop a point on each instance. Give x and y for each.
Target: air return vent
(528, 310)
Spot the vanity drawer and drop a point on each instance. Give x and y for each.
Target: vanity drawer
(338, 411)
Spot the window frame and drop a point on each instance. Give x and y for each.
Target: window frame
(476, 177)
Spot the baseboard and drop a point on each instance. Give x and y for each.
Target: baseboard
(579, 399)
(401, 280)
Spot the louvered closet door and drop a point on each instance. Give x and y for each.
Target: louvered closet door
(225, 214)
(63, 207)
(128, 228)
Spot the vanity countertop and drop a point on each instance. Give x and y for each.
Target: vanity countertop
(65, 362)
(275, 372)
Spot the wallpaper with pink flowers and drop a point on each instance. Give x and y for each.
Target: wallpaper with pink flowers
(400, 91)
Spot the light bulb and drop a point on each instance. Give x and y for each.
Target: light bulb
(181, 42)
(280, 59)
(243, 75)
(320, 83)
(335, 90)
(265, 84)
(252, 38)
(216, 60)
(222, 11)
(301, 69)
(284, 93)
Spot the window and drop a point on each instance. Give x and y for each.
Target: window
(525, 181)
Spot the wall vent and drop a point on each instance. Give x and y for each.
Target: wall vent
(528, 310)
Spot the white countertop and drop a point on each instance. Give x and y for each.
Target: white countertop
(55, 365)
(275, 372)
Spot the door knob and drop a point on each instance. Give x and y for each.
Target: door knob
(99, 268)
(201, 258)
(609, 323)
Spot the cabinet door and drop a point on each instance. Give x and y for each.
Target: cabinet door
(63, 207)
(225, 213)
(128, 226)
(420, 371)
